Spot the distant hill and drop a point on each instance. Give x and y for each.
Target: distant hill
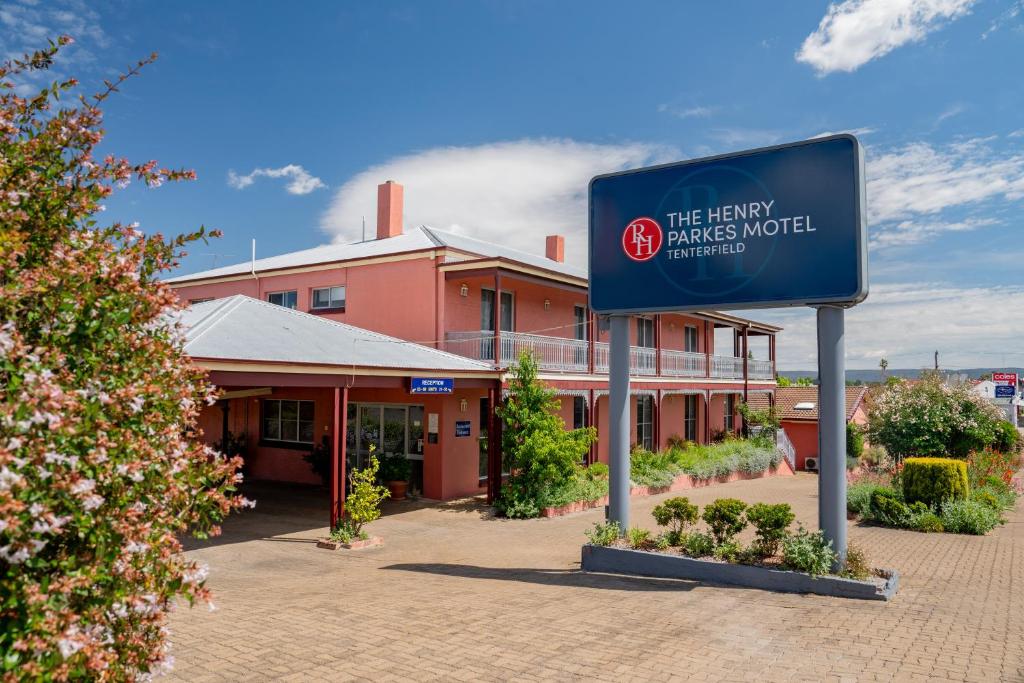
(873, 375)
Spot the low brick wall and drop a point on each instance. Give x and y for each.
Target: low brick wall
(682, 483)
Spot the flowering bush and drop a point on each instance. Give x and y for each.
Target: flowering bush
(100, 468)
(930, 418)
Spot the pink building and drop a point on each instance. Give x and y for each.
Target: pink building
(479, 301)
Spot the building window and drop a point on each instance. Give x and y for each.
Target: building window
(690, 417)
(690, 339)
(200, 301)
(289, 421)
(288, 299)
(645, 422)
(730, 412)
(329, 298)
(579, 412)
(645, 332)
(580, 320)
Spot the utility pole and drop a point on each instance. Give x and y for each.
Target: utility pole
(936, 360)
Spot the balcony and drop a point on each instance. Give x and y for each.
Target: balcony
(571, 356)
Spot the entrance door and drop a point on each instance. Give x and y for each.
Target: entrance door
(487, 312)
(369, 434)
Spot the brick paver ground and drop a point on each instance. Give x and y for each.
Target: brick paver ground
(458, 595)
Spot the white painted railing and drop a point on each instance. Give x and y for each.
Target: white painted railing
(642, 360)
(783, 443)
(726, 367)
(552, 353)
(683, 363)
(760, 369)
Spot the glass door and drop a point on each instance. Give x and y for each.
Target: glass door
(369, 434)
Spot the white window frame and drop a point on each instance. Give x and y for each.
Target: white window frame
(645, 428)
(686, 338)
(690, 417)
(332, 303)
(730, 412)
(644, 324)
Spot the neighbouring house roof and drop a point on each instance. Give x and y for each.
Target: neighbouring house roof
(242, 329)
(788, 398)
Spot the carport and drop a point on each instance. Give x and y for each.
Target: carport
(292, 381)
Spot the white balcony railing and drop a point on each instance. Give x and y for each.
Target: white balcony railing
(571, 355)
(642, 360)
(760, 369)
(726, 367)
(552, 353)
(683, 363)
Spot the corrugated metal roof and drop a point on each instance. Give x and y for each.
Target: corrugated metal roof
(416, 239)
(240, 328)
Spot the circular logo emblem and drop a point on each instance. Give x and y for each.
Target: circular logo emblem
(642, 239)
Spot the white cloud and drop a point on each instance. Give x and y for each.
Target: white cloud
(949, 112)
(514, 193)
(698, 112)
(1006, 17)
(920, 180)
(853, 32)
(859, 132)
(906, 233)
(907, 322)
(301, 181)
(27, 25)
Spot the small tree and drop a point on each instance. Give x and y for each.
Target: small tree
(854, 440)
(362, 504)
(100, 467)
(539, 453)
(767, 419)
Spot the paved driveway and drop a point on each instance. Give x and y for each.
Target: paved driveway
(458, 595)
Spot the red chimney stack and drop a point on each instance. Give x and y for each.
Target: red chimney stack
(389, 209)
(555, 248)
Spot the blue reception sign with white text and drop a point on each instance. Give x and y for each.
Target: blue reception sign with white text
(780, 226)
(1005, 391)
(431, 385)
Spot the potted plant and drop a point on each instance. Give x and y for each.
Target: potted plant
(395, 470)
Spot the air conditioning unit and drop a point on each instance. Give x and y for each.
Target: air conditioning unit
(811, 464)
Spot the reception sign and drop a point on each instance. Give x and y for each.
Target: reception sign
(780, 226)
(431, 385)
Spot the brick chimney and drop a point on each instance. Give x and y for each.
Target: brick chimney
(389, 209)
(555, 248)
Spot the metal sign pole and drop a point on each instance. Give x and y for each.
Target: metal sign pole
(832, 428)
(618, 420)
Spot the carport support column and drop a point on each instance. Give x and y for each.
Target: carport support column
(832, 427)
(618, 422)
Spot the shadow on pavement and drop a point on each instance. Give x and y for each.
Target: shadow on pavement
(546, 577)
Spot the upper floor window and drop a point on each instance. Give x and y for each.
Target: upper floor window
(580, 322)
(200, 301)
(645, 332)
(329, 297)
(289, 299)
(690, 339)
(285, 420)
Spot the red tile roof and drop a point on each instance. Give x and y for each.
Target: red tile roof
(786, 399)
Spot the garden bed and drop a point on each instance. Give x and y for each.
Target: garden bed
(358, 544)
(682, 482)
(669, 565)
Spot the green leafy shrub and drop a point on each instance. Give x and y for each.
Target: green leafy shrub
(697, 544)
(987, 464)
(931, 418)
(858, 497)
(597, 470)
(651, 469)
(926, 522)
(395, 467)
(542, 456)
(968, 517)
(101, 471)
(807, 551)
(856, 564)
(875, 456)
(603, 533)
(772, 524)
(638, 538)
(887, 509)
(934, 480)
(725, 518)
(852, 464)
(854, 441)
(677, 514)
(1007, 438)
(346, 532)
(663, 542)
(996, 495)
(729, 551)
(362, 504)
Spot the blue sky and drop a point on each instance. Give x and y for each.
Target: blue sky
(494, 115)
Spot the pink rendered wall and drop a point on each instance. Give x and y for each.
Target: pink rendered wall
(673, 409)
(672, 332)
(463, 312)
(804, 436)
(395, 298)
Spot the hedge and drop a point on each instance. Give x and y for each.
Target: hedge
(934, 481)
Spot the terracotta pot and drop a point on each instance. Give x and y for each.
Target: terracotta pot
(397, 489)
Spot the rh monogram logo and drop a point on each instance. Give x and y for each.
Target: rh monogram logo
(642, 239)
